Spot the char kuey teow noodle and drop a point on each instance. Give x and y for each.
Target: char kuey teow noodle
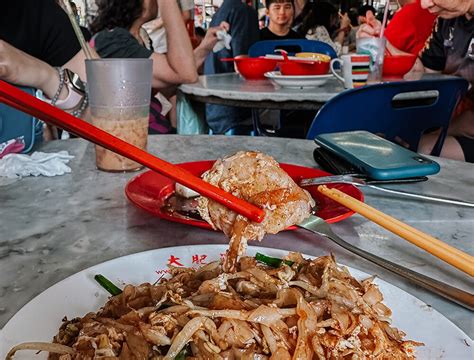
(241, 308)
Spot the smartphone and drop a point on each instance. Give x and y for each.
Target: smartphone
(377, 157)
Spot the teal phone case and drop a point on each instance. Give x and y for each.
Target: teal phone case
(377, 157)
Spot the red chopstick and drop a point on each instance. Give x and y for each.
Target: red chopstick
(27, 103)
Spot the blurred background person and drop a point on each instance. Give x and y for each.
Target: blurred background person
(280, 18)
(243, 23)
(363, 11)
(319, 18)
(451, 51)
(407, 32)
(117, 35)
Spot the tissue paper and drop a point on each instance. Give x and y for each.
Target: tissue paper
(38, 163)
(224, 41)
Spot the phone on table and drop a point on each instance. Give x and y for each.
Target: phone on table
(377, 157)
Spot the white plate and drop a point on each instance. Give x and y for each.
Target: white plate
(78, 294)
(297, 81)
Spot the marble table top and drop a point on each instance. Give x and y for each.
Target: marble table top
(233, 87)
(51, 228)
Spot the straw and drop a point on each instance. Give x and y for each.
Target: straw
(385, 16)
(88, 51)
(436, 247)
(27, 103)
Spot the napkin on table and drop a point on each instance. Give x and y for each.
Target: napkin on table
(38, 163)
(224, 41)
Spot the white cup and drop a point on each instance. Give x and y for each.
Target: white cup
(354, 69)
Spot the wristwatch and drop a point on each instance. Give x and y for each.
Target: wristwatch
(76, 91)
(75, 81)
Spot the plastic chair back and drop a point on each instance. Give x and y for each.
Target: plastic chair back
(292, 46)
(387, 109)
(14, 124)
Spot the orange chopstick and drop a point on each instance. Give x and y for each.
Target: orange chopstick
(24, 102)
(436, 247)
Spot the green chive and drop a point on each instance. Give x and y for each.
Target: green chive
(271, 261)
(186, 351)
(107, 285)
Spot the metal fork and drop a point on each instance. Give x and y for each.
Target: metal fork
(347, 179)
(318, 226)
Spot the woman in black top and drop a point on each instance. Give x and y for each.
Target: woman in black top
(36, 36)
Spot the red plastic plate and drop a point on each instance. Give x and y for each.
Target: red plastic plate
(150, 190)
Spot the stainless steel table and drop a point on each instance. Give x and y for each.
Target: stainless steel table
(53, 227)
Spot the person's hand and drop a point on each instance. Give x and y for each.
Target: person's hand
(371, 28)
(345, 22)
(211, 39)
(19, 68)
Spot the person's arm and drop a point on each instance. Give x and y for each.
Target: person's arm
(344, 29)
(77, 64)
(19, 68)
(207, 44)
(177, 66)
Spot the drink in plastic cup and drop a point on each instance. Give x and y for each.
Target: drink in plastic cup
(119, 100)
(375, 47)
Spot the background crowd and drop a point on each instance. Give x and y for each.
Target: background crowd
(37, 42)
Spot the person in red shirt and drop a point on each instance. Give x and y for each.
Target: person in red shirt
(407, 32)
(410, 27)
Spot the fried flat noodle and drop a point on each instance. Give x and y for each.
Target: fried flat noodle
(258, 179)
(312, 310)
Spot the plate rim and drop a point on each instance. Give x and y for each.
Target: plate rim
(276, 75)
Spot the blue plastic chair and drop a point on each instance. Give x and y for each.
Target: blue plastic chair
(373, 108)
(15, 124)
(292, 46)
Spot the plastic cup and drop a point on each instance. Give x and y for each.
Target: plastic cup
(119, 99)
(375, 47)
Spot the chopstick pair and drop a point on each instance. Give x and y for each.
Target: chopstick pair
(27, 103)
(89, 52)
(436, 247)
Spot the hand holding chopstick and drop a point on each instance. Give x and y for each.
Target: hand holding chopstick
(443, 251)
(22, 101)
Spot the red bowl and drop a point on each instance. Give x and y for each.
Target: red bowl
(255, 68)
(398, 65)
(296, 67)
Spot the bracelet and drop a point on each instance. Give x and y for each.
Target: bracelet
(73, 99)
(60, 87)
(84, 103)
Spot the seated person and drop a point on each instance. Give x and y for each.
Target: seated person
(407, 32)
(450, 50)
(243, 22)
(318, 20)
(362, 13)
(280, 14)
(36, 37)
(118, 35)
